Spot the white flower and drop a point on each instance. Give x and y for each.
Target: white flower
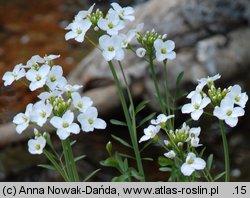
(124, 13)
(34, 61)
(197, 90)
(36, 146)
(81, 103)
(41, 112)
(171, 154)
(78, 30)
(111, 24)
(112, 47)
(22, 119)
(238, 97)
(161, 119)
(193, 133)
(192, 163)
(65, 125)
(150, 133)
(70, 88)
(141, 52)
(17, 73)
(38, 77)
(228, 112)
(89, 120)
(196, 106)
(164, 50)
(205, 81)
(84, 13)
(195, 142)
(55, 78)
(49, 58)
(47, 95)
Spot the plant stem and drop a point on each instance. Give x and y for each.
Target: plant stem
(167, 94)
(130, 123)
(226, 153)
(70, 162)
(153, 74)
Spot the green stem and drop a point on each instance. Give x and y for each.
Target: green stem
(70, 162)
(226, 153)
(167, 94)
(130, 124)
(56, 165)
(154, 77)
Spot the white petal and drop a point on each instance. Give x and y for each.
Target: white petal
(198, 164)
(68, 117)
(21, 127)
(196, 114)
(62, 134)
(205, 101)
(171, 55)
(100, 124)
(237, 112)
(70, 35)
(144, 138)
(187, 108)
(219, 113)
(186, 169)
(74, 128)
(56, 122)
(170, 45)
(232, 122)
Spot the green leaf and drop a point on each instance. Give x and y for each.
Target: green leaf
(47, 166)
(141, 106)
(165, 169)
(136, 175)
(91, 175)
(123, 142)
(202, 151)
(148, 159)
(163, 161)
(111, 162)
(121, 178)
(79, 158)
(217, 177)
(210, 161)
(127, 156)
(109, 147)
(118, 122)
(130, 109)
(149, 117)
(120, 162)
(178, 79)
(72, 143)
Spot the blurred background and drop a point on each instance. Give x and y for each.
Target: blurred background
(211, 37)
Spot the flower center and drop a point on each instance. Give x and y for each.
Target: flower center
(163, 51)
(229, 112)
(190, 161)
(37, 147)
(237, 99)
(80, 105)
(196, 106)
(52, 78)
(14, 75)
(78, 31)
(110, 25)
(65, 125)
(43, 114)
(25, 119)
(38, 78)
(111, 48)
(91, 121)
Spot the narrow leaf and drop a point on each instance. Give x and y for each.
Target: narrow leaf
(210, 161)
(178, 79)
(123, 142)
(72, 143)
(165, 169)
(47, 166)
(141, 106)
(217, 177)
(79, 158)
(127, 156)
(163, 161)
(91, 175)
(149, 117)
(148, 159)
(118, 122)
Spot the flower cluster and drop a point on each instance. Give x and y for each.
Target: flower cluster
(112, 39)
(180, 141)
(58, 104)
(227, 104)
